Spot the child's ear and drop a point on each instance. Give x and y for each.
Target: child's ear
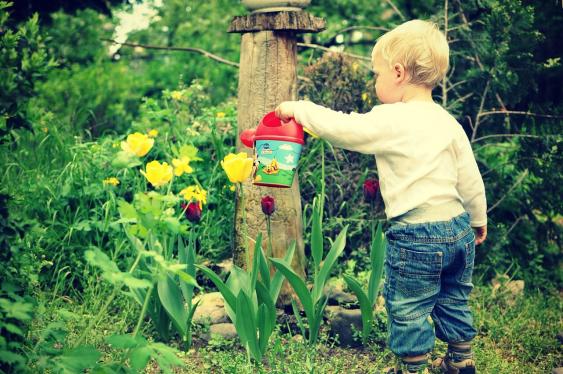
(399, 72)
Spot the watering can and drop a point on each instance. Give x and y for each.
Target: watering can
(277, 148)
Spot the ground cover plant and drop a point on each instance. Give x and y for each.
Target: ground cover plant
(120, 178)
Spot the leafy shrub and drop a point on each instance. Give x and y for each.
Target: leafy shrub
(16, 313)
(92, 99)
(77, 38)
(24, 62)
(340, 83)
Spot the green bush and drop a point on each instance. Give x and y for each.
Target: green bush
(24, 61)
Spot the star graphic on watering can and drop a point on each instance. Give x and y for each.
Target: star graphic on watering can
(289, 159)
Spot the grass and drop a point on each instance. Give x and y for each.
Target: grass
(515, 336)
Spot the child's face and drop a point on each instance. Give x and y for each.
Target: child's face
(388, 82)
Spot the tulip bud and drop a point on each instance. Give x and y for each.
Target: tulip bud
(268, 205)
(192, 211)
(371, 188)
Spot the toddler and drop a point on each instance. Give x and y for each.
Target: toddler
(432, 189)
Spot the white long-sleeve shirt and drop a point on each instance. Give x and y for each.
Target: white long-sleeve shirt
(423, 156)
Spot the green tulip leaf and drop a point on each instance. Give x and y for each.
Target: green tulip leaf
(266, 315)
(255, 262)
(247, 325)
(365, 305)
(317, 235)
(171, 298)
(277, 280)
(297, 283)
(264, 268)
(377, 256)
(330, 260)
(230, 298)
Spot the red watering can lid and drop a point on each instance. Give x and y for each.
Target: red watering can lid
(272, 128)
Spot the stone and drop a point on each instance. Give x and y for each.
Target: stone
(510, 290)
(380, 304)
(222, 268)
(211, 309)
(343, 322)
(225, 330)
(336, 294)
(226, 265)
(558, 370)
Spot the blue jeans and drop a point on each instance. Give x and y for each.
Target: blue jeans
(428, 269)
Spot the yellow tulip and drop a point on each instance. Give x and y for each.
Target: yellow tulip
(181, 166)
(111, 180)
(152, 133)
(137, 144)
(194, 192)
(158, 174)
(176, 95)
(221, 115)
(237, 166)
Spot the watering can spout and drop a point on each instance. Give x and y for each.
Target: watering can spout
(247, 137)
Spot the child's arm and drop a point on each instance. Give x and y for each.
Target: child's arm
(471, 187)
(354, 131)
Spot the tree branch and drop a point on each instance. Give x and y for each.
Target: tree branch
(474, 47)
(508, 112)
(395, 9)
(445, 79)
(514, 224)
(183, 49)
(477, 117)
(352, 28)
(188, 49)
(520, 180)
(316, 46)
(514, 136)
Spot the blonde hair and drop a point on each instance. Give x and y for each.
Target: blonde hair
(420, 47)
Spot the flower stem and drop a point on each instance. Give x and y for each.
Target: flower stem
(268, 225)
(322, 179)
(244, 227)
(143, 311)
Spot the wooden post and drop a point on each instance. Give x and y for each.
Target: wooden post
(267, 77)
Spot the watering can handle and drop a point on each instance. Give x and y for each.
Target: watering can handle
(310, 132)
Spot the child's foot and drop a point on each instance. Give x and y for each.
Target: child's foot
(448, 366)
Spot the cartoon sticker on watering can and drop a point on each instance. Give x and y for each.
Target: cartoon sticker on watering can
(276, 162)
(277, 147)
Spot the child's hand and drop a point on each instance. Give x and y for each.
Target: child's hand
(480, 234)
(284, 111)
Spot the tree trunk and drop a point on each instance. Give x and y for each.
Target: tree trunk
(267, 76)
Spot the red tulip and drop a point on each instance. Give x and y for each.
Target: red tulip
(268, 205)
(371, 188)
(192, 211)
